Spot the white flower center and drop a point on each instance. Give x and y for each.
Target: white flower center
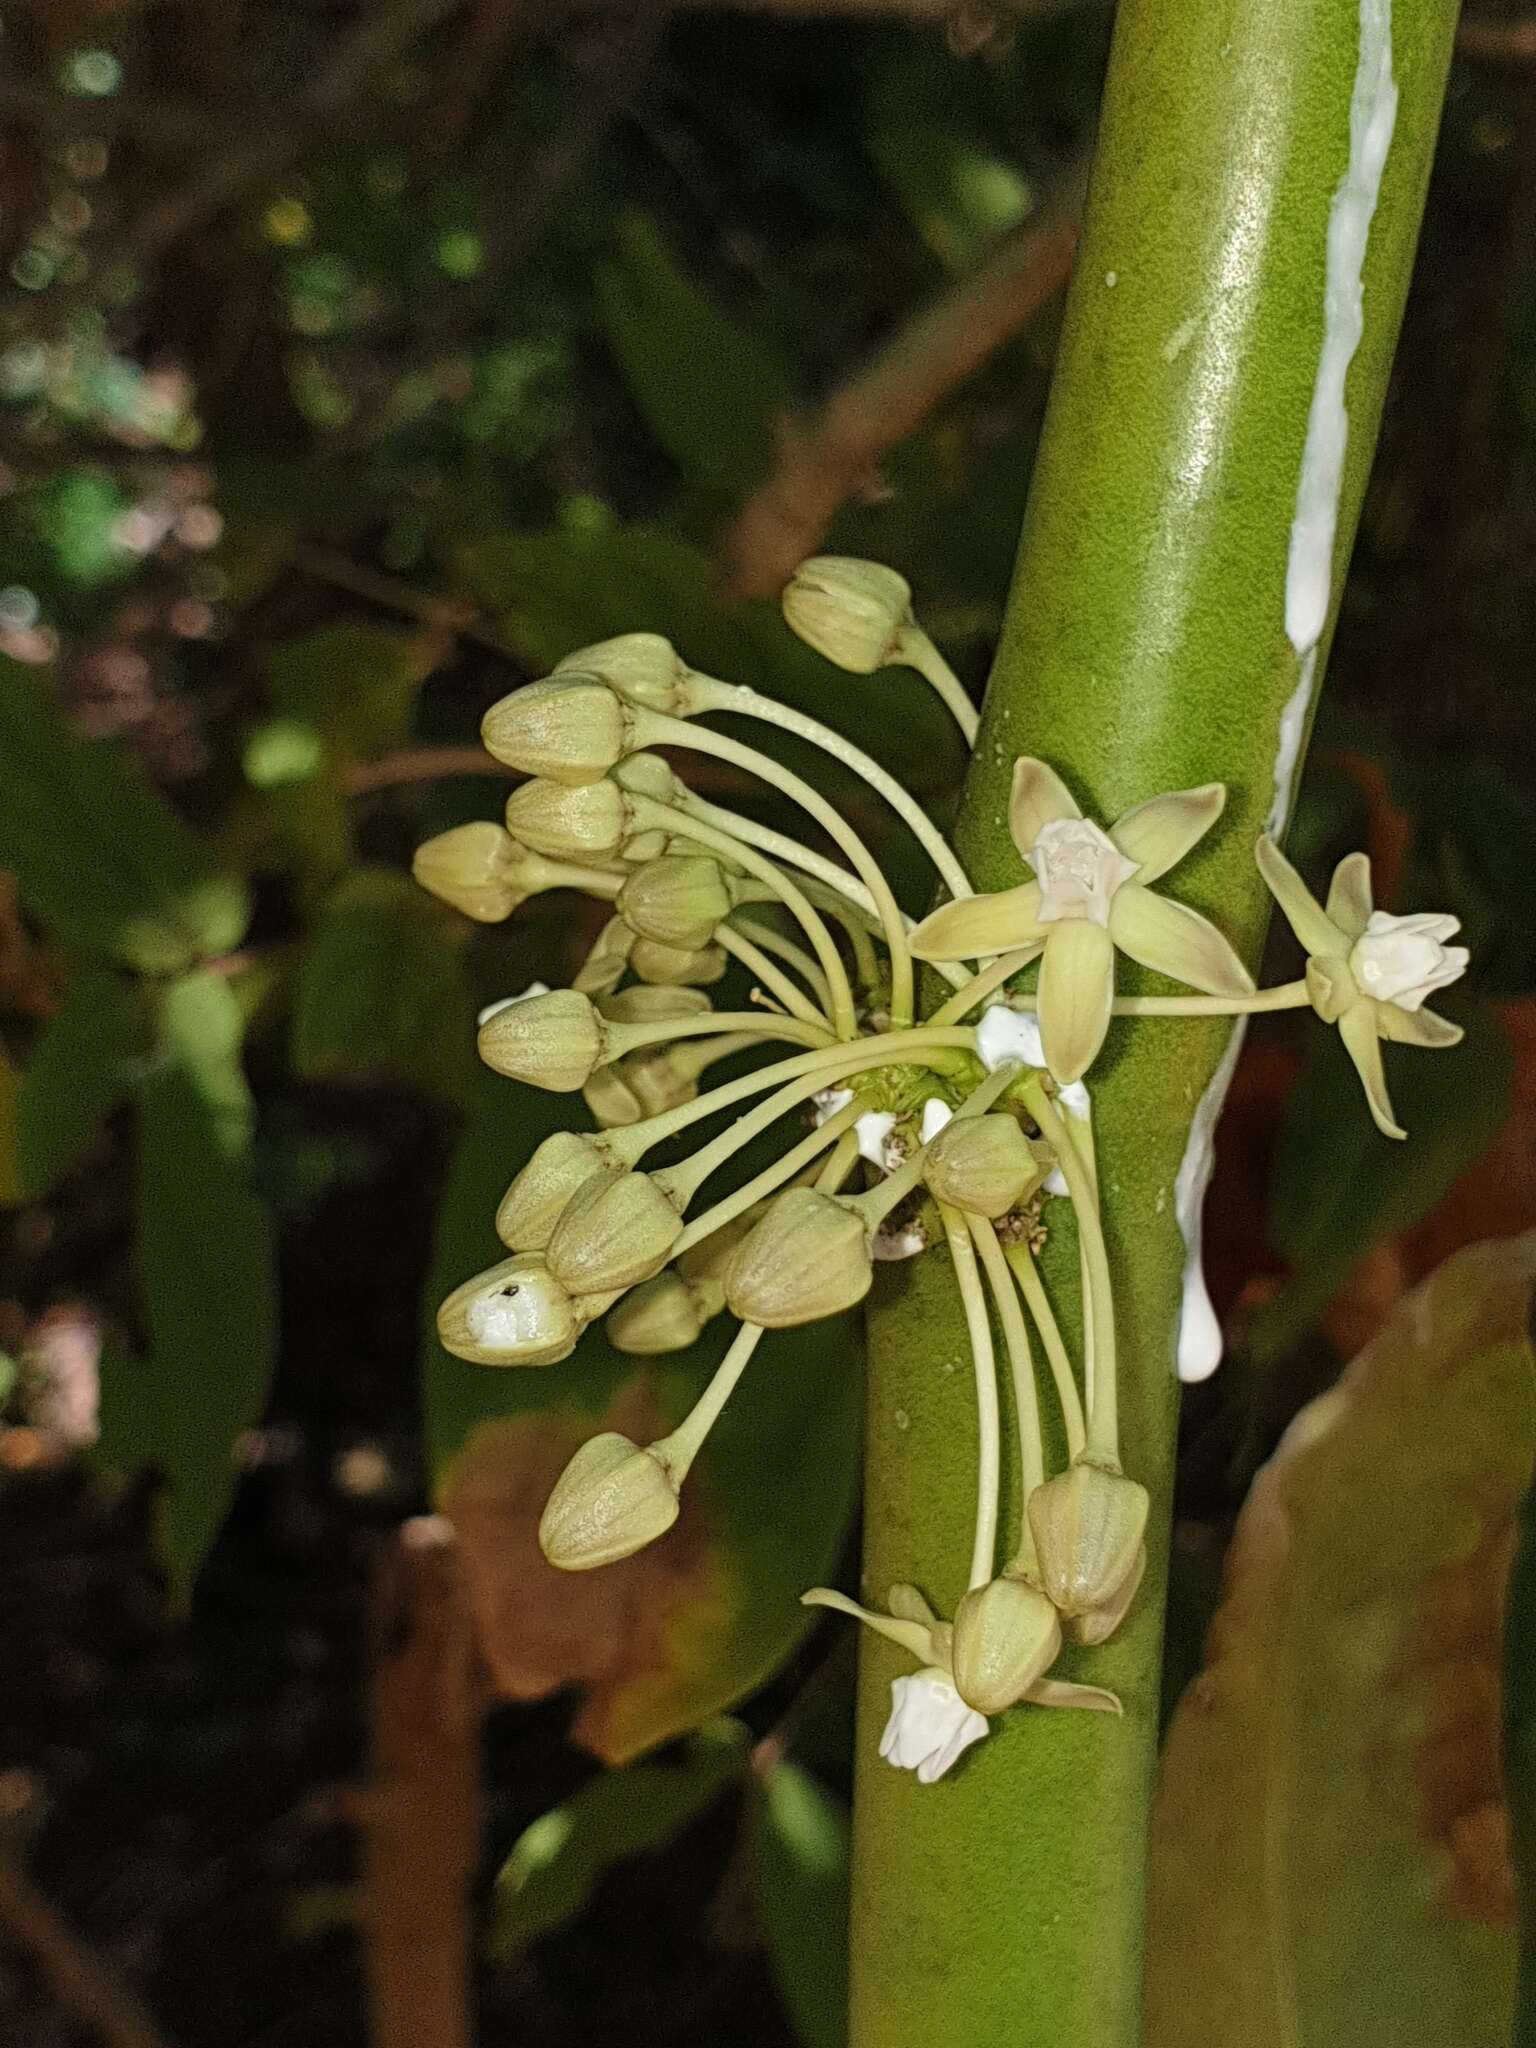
(1403, 960)
(930, 1725)
(1079, 868)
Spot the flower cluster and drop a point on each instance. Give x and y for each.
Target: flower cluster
(956, 1129)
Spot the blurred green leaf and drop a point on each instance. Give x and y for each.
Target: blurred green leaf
(101, 859)
(382, 991)
(209, 1267)
(800, 1847)
(693, 1624)
(709, 389)
(84, 1064)
(558, 1861)
(1339, 1187)
(1328, 1862)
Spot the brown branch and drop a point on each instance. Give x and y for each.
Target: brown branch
(423, 1834)
(420, 764)
(446, 614)
(1508, 42)
(82, 1984)
(825, 458)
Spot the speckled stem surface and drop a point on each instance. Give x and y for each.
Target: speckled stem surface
(1145, 650)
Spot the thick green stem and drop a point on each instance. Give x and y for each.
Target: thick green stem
(1146, 648)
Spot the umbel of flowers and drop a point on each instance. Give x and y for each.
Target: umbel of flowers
(955, 1130)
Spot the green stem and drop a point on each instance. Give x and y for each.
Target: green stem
(989, 1445)
(1099, 1372)
(767, 940)
(1022, 1264)
(1145, 648)
(745, 949)
(919, 652)
(1021, 1368)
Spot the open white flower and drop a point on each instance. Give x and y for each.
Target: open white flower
(930, 1727)
(1367, 971)
(1090, 897)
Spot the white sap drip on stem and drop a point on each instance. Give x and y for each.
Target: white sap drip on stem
(1199, 1346)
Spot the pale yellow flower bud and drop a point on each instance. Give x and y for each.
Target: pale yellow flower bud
(983, 1165)
(552, 1041)
(653, 1005)
(1089, 1523)
(516, 1313)
(1096, 1625)
(616, 1230)
(603, 968)
(677, 900)
(660, 1315)
(586, 823)
(806, 1257)
(678, 966)
(477, 868)
(852, 612)
(571, 731)
(663, 1078)
(642, 667)
(531, 1207)
(608, 1095)
(610, 1501)
(1007, 1635)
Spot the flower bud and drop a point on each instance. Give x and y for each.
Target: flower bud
(662, 1314)
(678, 966)
(603, 968)
(677, 900)
(587, 823)
(552, 1041)
(806, 1257)
(571, 731)
(1096, 1625)
(608, 1095)
(642, 668)
(531, 1207)
(616, 1230)
(474, 867)
(648, 775)
(982, 1164)
(1007, 1635)
(852, 612)
(663, 1077)
(610, 1501)
(516, 1313)
(1088, 1524)
(650, 1005)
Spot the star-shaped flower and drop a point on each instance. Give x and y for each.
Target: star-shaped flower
(1367, 971)
(1089, 897)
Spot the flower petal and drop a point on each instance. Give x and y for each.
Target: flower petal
(1305, 915)
(907, 1604)
(1172, 939)
(1417, 1027)
(1039, 798)
(1357, 1028)
(1161, 831)
(910, 1634)
(978, 925)
(1058, 1692)
(1349, 894)
(1077, 987)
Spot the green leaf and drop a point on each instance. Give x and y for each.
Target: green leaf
(709, 389)
(1339, 1187)
(209, 1268)
(1327, 1847)
(101, 859)
(85, 1063)
(681, 1632)
(557, 1861)
(382, 991)
(800, 1845)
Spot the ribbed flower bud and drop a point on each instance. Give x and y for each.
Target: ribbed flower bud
(852, 612)
(663, 1078)
(678, 966)
(1089, 1523)
(552, 1041)
(477, 868)
(1097, 1624)
(615, 1231)
(516, 1313)
(677, 900)
(572, 731)
(660, 1315)
(603, 968)
(1007, 1635)
(642, 667)
(607, 1093)
(652, 1005)
(982, 1164)
(531, 1207)
(806, 1257)
(586, 823)
(610, 1501)
(648, 775)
